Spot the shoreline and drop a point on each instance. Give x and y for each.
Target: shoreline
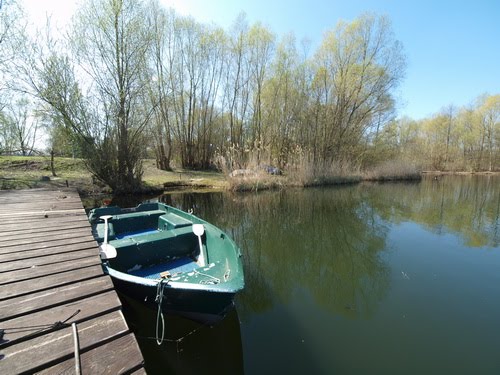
(33, 172)
(461, 173)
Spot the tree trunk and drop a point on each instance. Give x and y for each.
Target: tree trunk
(52, 168)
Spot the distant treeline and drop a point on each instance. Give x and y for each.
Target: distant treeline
(455, 139)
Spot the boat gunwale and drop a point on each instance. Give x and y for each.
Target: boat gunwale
(215, 288)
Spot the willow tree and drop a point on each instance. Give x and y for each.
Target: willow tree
(283, 101)
(162, 23)
(358, 65)
(489, 113)
(18, 130)
(110, 43)
(94, 85)
(261, 49)
(12, 37)
(236, 89)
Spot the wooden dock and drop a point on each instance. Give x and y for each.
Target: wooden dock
(51, 277)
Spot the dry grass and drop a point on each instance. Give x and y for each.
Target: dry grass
(393, 170)
(259, 180)
(302, 173)
(306, 173)
(179, 177)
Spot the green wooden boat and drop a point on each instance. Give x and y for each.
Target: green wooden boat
(159, 254)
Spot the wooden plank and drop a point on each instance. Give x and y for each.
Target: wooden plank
(28, 220)
(41, 235)
(49, 245)
(42, 206)
(27, 199)
(23, 196)
(41, 227)
(60, 250)
(35, 272)
(24, 263)
(23, 327)
(36, 301)
(51, 281)
(28, 356)
(40, 202)
(46, 214)
(119, 356)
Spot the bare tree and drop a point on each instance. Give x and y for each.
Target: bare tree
(261, 48)
(161, 22)
(19, 129)
(12, 38)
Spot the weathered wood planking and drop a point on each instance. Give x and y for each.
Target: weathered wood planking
(26, 223)
(75, 311)
(50, 272)
(57, 346)
(19, 288)
(22, 228)
(115, 357)
(14, 239)
(36, 272)
(43, 260)
(24, 245)
(25, 253)
(44, 299)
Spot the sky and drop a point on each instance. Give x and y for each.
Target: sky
(452, 47)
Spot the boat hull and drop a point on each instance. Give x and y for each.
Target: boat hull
(204, 305)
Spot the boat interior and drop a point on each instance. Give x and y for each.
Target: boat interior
(150, 242)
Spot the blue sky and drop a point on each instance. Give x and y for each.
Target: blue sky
(453, 47)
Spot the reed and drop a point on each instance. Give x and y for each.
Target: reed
(393, 170)
(256, 182)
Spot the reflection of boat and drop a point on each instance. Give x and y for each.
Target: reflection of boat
(189, 347)
(155, 252)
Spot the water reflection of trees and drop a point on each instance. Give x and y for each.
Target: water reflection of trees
(324, 240)
(329, 241)
(468, 206)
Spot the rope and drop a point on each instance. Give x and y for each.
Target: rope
(223, 313)
(215, 280)
(159, 299)
(36, 328)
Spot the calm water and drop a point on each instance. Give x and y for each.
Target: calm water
(368, 279)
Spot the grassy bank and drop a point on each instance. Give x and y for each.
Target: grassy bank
(17, 172)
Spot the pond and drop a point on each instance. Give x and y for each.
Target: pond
(371, 278)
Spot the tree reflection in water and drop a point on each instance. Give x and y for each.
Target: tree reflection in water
(324, 240)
